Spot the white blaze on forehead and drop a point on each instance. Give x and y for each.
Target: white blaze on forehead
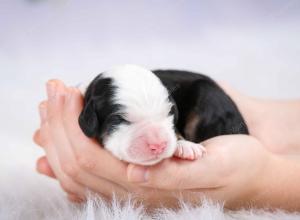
(140, 91)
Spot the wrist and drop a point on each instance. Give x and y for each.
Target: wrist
(257, 179)
(278, 185)
(263, 182)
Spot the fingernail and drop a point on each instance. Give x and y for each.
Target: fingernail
(137, 174)
(51, 89)
(75, 198)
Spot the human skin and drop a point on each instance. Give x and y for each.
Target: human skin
(239, 170)
(275, 123)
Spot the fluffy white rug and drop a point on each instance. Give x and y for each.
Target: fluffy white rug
(29, 196)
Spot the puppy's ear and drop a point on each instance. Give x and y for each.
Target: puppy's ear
(174, 109)
(88, 120)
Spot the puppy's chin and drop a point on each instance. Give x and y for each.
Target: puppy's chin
(146, 162)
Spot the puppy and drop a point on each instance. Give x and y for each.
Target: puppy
(143, 117)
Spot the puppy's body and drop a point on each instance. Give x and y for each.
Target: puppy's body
(136, 113)
(204, 109)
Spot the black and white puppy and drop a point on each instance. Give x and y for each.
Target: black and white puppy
(143, 117)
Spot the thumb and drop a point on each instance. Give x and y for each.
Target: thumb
(173, 174)
(165, 175)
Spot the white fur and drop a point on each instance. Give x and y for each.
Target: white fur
(146, 101)
(120, 141)
(189, 150)
(141, 92)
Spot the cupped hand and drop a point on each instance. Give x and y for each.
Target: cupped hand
(78, 162)
(231, 170)
(71, 157)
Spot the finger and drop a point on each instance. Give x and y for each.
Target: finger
(58, 147)
(88, 152)
(42, 137)
(66, 182)
(94, 182)
(43, 111)
(60, 140)
(42, 166)
(62, 145)
(173, 174)
(104, 187)
(37, 138)
(75, 198)
(64, 150)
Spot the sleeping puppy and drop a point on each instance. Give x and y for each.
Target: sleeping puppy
(143, 117)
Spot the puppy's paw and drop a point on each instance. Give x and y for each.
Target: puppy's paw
(188, 150)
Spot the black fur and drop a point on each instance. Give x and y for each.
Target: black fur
(191, 93)
(100, 114)
(198, 94)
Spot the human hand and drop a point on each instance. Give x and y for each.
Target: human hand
(275, 123)
(233, 171)
(227, 173)
(64, 105)
(77, 161)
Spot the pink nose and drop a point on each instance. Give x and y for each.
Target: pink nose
(157, 148)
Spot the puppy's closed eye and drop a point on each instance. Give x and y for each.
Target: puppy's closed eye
(112, 122)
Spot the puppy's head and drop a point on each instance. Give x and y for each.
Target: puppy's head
(129, 111)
